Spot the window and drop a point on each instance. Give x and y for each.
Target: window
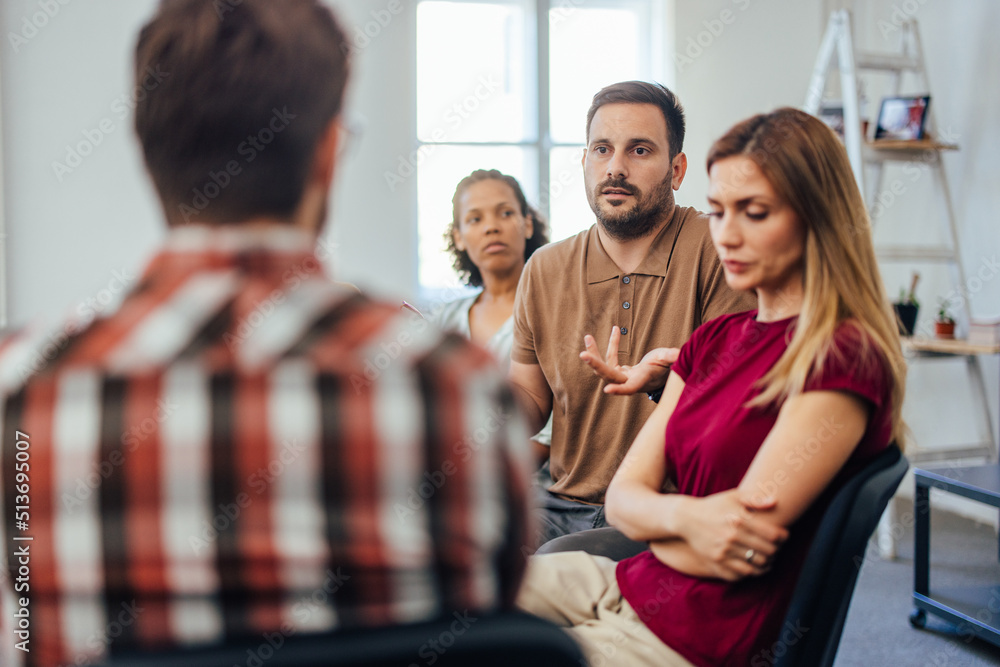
(506, 84)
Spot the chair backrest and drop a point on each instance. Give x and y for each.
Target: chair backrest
(460, 639)
(825, 587)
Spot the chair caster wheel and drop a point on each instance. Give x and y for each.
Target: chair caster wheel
(918, 618)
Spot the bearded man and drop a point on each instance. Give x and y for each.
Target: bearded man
(646, 271)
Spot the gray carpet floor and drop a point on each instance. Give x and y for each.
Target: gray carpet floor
(877, 630)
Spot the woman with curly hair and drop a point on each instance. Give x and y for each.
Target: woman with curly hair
(492, 234)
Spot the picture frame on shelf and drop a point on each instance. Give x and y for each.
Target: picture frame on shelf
(832, 113)
(902, 118)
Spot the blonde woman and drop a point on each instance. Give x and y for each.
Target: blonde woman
(765, 415)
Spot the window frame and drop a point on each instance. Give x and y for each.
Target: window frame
(3, 222)
(653, 13)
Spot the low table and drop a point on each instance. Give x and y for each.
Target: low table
(976, 610)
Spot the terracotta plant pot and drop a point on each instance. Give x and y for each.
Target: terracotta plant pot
(944, 329)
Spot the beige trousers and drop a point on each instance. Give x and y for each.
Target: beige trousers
(579, 592)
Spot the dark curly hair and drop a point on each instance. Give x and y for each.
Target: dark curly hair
(461, 262)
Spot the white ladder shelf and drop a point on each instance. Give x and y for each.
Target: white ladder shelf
(838, 44)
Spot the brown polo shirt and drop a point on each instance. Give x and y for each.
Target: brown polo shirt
(572, 288)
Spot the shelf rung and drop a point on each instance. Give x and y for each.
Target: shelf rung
(885, 61)
(920, 345)
(926, 253)
(908, 146)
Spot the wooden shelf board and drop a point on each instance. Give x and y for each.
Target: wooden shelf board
(945, 346)
(909, 145)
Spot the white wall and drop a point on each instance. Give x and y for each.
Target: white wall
(375, 228)
(66, 240)
(70, 234)
(735, 58)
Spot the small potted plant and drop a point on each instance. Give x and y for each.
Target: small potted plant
(907, 306)
(944, 323)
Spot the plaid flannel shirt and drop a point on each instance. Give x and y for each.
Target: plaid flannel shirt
(245, 447)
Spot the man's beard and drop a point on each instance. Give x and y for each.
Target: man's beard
(642, 218)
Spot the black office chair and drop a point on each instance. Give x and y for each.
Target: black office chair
(493, 640)
(826, 584)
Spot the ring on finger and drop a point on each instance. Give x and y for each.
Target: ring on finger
(748, 556)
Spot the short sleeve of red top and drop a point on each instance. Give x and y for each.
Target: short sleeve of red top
(710, 441)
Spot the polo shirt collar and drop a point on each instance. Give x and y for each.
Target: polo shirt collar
(601, 267)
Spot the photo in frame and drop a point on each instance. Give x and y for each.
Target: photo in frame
(832, 113)
(902, 118)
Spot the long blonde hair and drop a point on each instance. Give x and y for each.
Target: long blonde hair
(807, 165)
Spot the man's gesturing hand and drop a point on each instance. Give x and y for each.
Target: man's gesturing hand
(649, 374)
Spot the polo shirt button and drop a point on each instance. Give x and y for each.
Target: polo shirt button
(624, 331)
(626, 305)
(626, 280)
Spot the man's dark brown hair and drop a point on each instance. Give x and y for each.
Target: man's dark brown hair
(241, 94)
(643, 92)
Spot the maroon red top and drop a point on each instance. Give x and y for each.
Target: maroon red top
(710, 441)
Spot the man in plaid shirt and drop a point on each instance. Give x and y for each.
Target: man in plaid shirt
(245, 448)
